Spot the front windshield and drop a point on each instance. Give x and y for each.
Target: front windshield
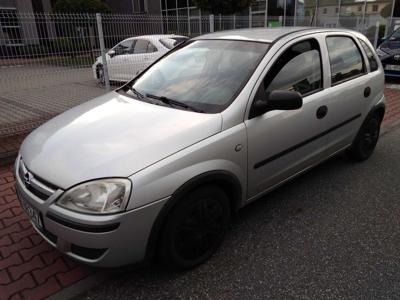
(395, 35)
(205, 74)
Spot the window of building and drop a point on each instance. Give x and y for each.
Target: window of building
(336, 9)
(10, 26)
(325, 11)
(182, 3)
(297, 69)
(359, 8)
(375, 7)
(171, 4)
(345, 58)
(373, 64)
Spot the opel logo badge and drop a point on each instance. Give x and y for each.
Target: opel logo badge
(396, 57)
(28, 178)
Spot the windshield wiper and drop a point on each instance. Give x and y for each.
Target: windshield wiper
(170, 101)
(136, 92)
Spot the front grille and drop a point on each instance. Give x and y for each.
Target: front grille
(34, 184)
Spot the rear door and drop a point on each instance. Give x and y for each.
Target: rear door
(144, 53)
(350, 90)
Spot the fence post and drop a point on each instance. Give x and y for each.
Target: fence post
(103, 50)
(211, 20)
(376, 34)
(200, 22)
(250, 17)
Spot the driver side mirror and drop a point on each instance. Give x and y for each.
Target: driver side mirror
(112, 53)
(276, 100)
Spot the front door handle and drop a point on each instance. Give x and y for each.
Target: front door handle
(322, 111)
(367, 92)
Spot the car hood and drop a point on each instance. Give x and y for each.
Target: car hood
(111, 136)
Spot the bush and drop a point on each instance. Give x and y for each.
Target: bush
(70, 45)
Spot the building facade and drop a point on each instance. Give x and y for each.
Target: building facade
(13, 32)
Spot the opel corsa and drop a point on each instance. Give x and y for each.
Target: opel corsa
(157, 167)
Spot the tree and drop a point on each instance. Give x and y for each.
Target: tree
(226, 7)
(81, 6)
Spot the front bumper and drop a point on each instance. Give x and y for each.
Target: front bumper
(94, 70)
(98, 240)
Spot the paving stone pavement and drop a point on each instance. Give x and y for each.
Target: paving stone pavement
(29, 267)
(30, 95)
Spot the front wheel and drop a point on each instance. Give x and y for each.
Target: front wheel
(195, 228)
(100, 75)
(364, 144)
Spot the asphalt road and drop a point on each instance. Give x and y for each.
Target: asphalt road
(333, 233)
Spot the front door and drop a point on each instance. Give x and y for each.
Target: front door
(283, 143)
(117, 64)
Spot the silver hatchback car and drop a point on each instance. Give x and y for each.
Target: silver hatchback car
(157, 167)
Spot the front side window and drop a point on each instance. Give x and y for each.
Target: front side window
(297, 69)
(124, 47)
(373, 64)
(206, 74)
(345, 58)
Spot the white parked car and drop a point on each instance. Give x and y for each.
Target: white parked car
(133, 55)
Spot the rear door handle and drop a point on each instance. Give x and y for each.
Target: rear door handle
(322, 111)
(367, 92)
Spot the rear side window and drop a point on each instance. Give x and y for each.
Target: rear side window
(373, 64)
(141, 46)
(151, 48)
(297, 69)
(345, 58)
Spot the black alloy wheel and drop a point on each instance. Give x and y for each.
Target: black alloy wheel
(195, 228)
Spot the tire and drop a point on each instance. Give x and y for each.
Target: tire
(100, 75)
(195, 228)
(364, 144)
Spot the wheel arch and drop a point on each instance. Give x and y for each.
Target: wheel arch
(379, 109)
(227, 181)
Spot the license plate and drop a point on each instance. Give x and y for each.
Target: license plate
(392, 67)
(32, 212)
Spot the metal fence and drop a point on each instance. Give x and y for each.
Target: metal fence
(46, 59)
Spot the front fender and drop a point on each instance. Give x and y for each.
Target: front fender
(216, 153)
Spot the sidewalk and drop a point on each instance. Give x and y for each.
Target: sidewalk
(29, 267)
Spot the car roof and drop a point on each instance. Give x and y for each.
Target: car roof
(267, 35)
(155, 36)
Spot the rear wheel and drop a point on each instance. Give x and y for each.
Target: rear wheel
(366, 139)
(195, 228)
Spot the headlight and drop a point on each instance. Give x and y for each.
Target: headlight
(105, 196)
(380, 52)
